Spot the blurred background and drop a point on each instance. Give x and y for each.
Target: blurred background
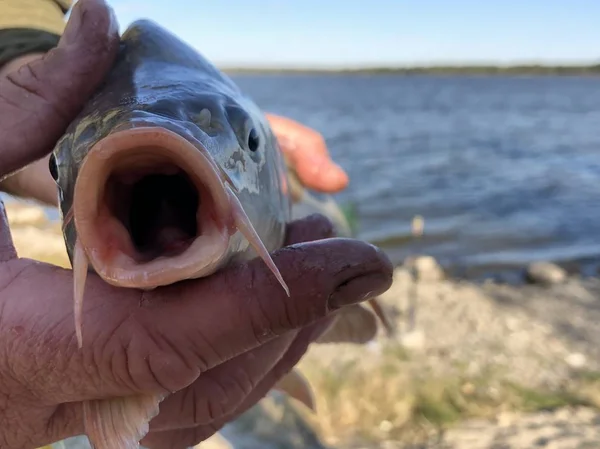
(483, 118)
(504, 168)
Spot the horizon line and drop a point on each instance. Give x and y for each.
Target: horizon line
(409, 66)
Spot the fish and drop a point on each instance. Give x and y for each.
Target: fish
(170, 172)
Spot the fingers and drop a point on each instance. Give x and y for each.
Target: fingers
(296, 351)
(39, 100)
(187, 437)
(33, 182)
(323, 276)
(219, 392)
(162, 342)
(306, 150)
(171, 340)
(314, 227)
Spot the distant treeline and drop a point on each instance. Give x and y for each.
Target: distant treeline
(572, 70)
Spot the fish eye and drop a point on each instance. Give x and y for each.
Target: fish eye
(53, 167)
(253, 140)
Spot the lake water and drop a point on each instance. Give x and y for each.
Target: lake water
(504, 170)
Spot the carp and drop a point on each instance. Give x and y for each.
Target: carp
(170, 172)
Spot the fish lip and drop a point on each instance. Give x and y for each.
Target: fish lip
(122, 270)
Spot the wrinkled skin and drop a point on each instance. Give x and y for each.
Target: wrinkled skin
(162, 342)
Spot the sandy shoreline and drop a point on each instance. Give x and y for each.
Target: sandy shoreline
(497, 350)
(486, 366)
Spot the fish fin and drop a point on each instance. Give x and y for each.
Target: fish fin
(383, 317)
(119, 423)
(80, 272)
(353, 324)
(296, 386)
(243, 224)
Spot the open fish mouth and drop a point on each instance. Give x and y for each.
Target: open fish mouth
(150, 209)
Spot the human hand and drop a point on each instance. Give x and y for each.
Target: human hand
(307, 151)
(212, 344)
(54, 88)
(214, 347)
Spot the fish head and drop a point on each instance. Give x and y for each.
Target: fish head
(169, 172)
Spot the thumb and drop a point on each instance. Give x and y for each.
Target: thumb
(41, 98)
(162, 340)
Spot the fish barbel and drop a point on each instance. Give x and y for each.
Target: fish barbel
(169, 173)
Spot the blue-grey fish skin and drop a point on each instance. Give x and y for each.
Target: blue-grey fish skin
(159, 80)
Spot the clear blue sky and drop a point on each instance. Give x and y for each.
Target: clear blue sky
(377, 32)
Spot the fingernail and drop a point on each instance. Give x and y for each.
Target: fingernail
(358, 289)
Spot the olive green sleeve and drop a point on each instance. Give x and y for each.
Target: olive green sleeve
(30, 26)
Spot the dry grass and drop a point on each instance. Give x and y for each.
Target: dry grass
(34, 236)
(45, 246)
(394, 400)
(587, 386)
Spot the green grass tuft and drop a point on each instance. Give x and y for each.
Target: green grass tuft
(350, 211)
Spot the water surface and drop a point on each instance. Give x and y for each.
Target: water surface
(505, 170)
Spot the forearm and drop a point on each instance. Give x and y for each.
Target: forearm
(34, 181)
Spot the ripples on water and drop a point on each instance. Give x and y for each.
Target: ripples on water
(504, 170)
